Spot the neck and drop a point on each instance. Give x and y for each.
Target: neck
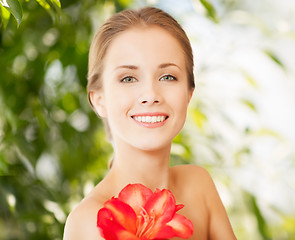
(150, 168)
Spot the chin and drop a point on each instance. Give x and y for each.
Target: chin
(153, 147)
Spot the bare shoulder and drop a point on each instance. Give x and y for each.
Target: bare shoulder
(199, 185)
(81, 222)
(196, 182)
(189, 168)
(191, 174)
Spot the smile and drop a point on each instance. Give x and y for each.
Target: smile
(149, 119)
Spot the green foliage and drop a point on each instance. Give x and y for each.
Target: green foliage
(274, 58)
(52, 7)
(15, 8)
(211, 12)
(262, 226)
(51, 143)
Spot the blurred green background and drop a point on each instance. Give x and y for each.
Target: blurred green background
(240, 124)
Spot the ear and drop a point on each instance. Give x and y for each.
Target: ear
(98, 102)
(190, 94)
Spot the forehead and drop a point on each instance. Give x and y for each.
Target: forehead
(145, 45)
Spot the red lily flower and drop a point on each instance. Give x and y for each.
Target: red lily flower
(140, 214)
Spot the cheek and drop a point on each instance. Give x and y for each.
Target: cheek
(118, 102)
(181, 105)
(180, 100)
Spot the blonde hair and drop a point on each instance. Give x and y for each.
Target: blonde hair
(123, 21)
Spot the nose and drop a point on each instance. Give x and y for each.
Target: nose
(151, 94)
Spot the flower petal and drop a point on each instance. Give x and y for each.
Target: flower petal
(122, 213)
(178, 207)
(182, 226)
(148, 216)
(161, 208)
(110, 229)
(162, 205)
(136, 195)
(165, 232)
(105, 224)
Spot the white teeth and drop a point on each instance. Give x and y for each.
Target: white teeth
(149, 119)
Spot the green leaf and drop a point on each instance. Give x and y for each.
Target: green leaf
(5, 15)
(56, 3)
(249, 104)
(52, 7)
(122, 4)
(250, 80)
(267, 132)
(274, 58)
(44, 4)
(3, 165)
(262, 225)
(47, 4)
(15, 8)
(211, 12)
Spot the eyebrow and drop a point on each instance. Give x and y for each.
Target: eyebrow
(165, 65)
(161, 66)
(133, 67)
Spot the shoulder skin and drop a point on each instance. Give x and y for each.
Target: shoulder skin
(81, 223)
(200, 183)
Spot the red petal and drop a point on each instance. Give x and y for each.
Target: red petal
(103, 217)
(162, 205)
(105, 224)
(165, 232)
(178, 207)
(136, 195)
(182, 226)
(110, 229)
(122, 213)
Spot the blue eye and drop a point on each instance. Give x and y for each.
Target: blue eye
(129, 79)
(168, 78)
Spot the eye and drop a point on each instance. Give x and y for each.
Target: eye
(168, 78)
(128, 79)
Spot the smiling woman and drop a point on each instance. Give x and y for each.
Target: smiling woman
(141, 82)
(117, 24)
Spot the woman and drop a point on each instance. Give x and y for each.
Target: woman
(140, 83)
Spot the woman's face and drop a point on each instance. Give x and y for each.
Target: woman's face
(145, 91)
